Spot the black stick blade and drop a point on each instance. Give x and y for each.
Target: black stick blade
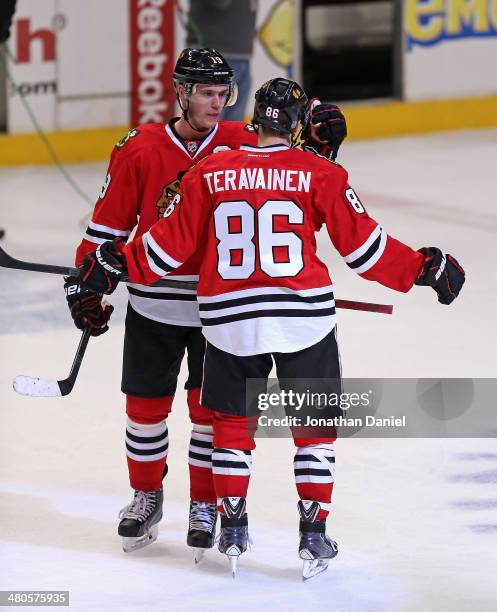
(6, 261)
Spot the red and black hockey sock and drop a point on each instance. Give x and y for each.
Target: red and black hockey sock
(231, 471)
(147, 441)
(232, 457)
(146, 451)
(200, 464)
(314, 468)
(200, 452)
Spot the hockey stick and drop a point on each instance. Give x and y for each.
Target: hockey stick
(366, 306)
(44, 387)
(6, 261)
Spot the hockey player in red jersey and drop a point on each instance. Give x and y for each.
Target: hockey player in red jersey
(162, 321)
(264, 294)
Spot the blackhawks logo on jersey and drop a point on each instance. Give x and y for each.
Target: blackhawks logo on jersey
(168, 199)
(125, 139)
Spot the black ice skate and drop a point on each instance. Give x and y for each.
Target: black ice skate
(233, 538)
(315, 547)
(139, 524)
(201, 527)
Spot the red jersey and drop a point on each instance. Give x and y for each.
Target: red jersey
(142, 181)
(254, 212)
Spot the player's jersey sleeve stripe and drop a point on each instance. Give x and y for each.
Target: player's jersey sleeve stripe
(158, 260)
(365, 257)
(101, 233)
(364, 247)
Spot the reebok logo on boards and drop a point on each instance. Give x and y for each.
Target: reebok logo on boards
(150, 60)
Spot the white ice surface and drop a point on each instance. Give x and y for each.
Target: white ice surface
(416, 520)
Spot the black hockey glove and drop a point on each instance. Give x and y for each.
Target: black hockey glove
(330, 128)
(101, 270)
(86, 307)
(443, 273)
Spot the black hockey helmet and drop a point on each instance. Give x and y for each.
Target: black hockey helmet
(204, 66)
(281, 104)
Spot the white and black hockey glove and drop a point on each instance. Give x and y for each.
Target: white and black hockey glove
(443, 273)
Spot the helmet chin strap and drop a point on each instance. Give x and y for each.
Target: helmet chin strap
(200, 131)
(185, 115)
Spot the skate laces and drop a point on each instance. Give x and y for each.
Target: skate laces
(140, 507)
(202, 516)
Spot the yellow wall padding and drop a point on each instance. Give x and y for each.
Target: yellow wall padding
(70, 146)
(402, 118)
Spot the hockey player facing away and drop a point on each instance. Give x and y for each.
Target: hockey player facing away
(265, 296)
(163, 322)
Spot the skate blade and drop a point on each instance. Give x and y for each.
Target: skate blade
(233, 552)
(132, 544)
(233, 563)
(314, 568)
(198, 554)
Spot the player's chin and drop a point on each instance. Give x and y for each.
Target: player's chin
(211, 120)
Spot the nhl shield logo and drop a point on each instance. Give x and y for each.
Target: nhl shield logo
(192, 146)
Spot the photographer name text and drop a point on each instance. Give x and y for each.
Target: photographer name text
(340, 421)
